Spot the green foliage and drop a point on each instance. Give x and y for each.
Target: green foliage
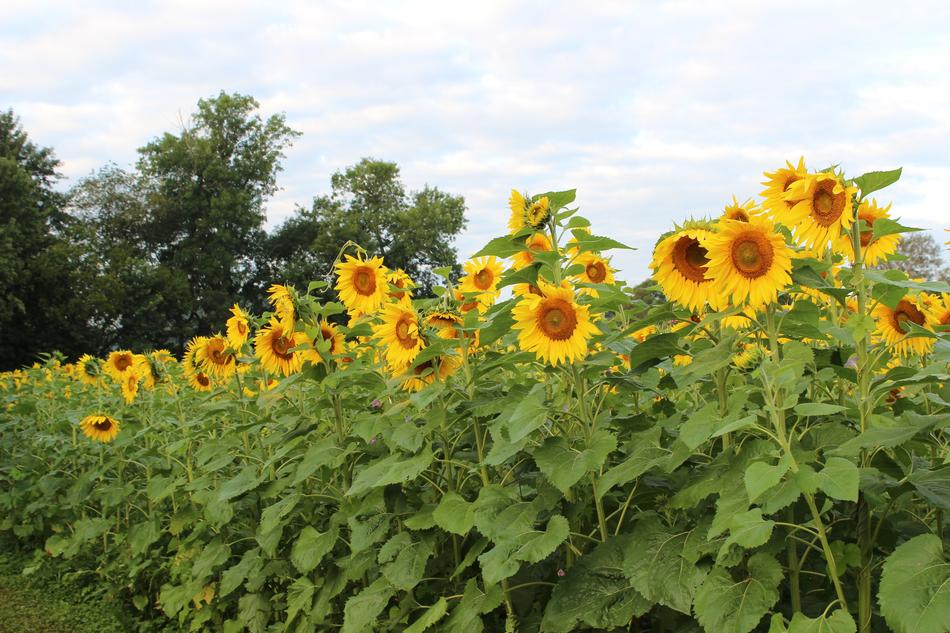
(915, 587)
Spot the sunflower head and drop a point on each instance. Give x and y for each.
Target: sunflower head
(537, 213)
(274, 347)
(238, 327)
(88, 369)
(750, 263)
(198, 379)
(821, 210)
(597, 270)
(100, 427)
(893, 325)
(399, 335)
(425, 373)
(215, 356)
(873, 251)
(554, 326)
(518, 205)
(284, 301)
(536, 243)
(130, 386)
(481, 278)
(777, 184)
(402, 282)
(680, 265)
(120, 363)
(739, 211)
(361, 284)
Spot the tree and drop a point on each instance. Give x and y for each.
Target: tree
(923, 257)
(369, 205)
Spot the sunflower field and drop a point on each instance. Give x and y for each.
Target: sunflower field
(534, 449)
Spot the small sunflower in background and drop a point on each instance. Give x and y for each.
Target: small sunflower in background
(119, 363)
(425, 373)
(555, 327)
(402, 282)
(750, 263)
(873, 250)
(88, 369)
(939, 309)
(331, 333)
(238, 327)
(518, 205)
(361, 284)
(281, 297)
(538, 212)
(821, 210)
(597, 270)
(197, 379)
(130, 386)
(481, 278)
(215, 357)
(445, 323)
(399, 334)
(100, 427)
(536, 243)
(739, 211)
(274, 347)
(893, 325)
(680, 265)
(777, 184)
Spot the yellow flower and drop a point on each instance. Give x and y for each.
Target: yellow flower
(119, 363)
(739, 211)
(361, 284)
(238, 328)
(197, 379)
(518, 206)
(538, 213)
(88, 369)
(939, 309)
(821, 210)
(872, 250)
(481, 278)
(750, 262)
(447, 325)
(130, 386)
(399, 333)
(213, 355)
(282, 299)
(746, 354)
(402, 281)
(100, 427)
(554, 327)
(596, 271)
(536, 243)
(682, 360)
(680, 265)
(426, 372)
(892, 326)
(330, 332)
(644, 333)
(777, 185)
(274, 345)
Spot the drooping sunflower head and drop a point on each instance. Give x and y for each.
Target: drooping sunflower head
(284, 302)
(148, 371)
(680, 265)
(120, 363)
(426, 372)
(238, 327)
(597, 270)
(873, 251)
(100, 427)
(739, 211)
(893, 325)
(445, 323)
(130, 386)
(537, 213)
(554, 326)
(777, 184)
(746, 354)
(536, 243)
(821, 210)
(399, 335)
(518, 205)
(939, 309)
(88, 369)
(196, 377)
(481, 277)
(274, 347)
(215, 356)
(750, 263)
(402, 282)
(361, 284)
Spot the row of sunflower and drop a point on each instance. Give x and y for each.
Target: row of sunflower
(533, 448)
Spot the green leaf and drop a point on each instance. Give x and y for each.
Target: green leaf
(410, 565)
(659, 346)
(142, 535)
(310, 548)
(760, 476)
(539, 545)
(885, 437)
(454, 514)
(499, 322)
(915, 587)
(839, 479)
(724, 604)
(390, 470)
(838, 622)
(502, 247)
(597, 243)
(272, 514)
(432, 615)
(212, 555)
(644, 452)
(887, 226)
(564, 465)
(522, 417)
(361, 611)
(323, 453)
(244, 481)
(818, 408)
(299, 598)
(933, 485)
(558, 199)
(876, 180)
(254, 612)
(250, 564)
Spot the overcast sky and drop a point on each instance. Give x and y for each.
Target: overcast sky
(653, 111)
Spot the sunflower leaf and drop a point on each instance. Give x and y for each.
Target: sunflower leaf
(915, 587)
(876, 180)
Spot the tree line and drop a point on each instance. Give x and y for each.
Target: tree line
(149, 256)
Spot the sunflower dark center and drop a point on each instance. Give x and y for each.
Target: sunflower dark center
(689, 259)
(904, 312)
(827, 206)
(752, 255)
(364, 280)
(203, 380)
(557, 319)
(123, 362)
(281, 346)
(596, 272)
(103, 425)
(483, 279)
(404, 334)
(867, 235)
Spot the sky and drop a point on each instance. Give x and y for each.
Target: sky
(653, 111)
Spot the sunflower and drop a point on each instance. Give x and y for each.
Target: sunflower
(554, 327)
(746, 354)
(130, 386)
(331, 333)
(680, 263)
(238, 328)
(100, 427)
(873, 250)
(426, 372)
(597, 270)
(750, 262)
(518, 206)
(282, 299)
(537, 213)
(820, 210)
(644, 333)
(399, 333)
(146, 371)
(88, 369)
(274, 346)
(197, 379)
(536, 243)
(481, 278)
(119, 363)
(682, 360)
(402, 281)
(361, 284)
(892, 325)
(939, 309)
(213, 355)
(777, 185)
(445, 323)
(739, 211)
